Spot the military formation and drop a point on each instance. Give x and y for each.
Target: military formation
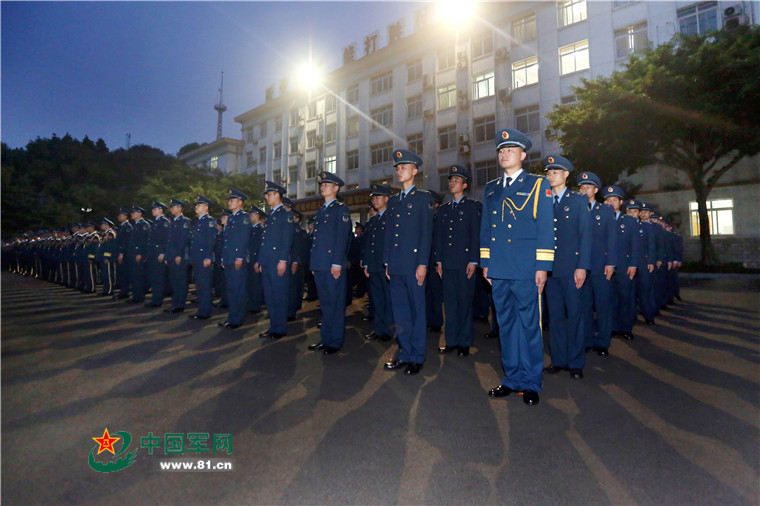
(533, 253)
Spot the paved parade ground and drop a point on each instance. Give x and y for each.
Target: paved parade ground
(672, 417)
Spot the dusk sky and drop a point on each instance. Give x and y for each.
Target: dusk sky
(152, 69)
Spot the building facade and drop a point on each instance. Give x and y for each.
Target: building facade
(222, 154)
(443, 92)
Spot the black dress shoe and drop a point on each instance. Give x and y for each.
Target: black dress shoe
(368, 318)
(329, 350)
(395, 364)
(385, 337)
(628, 336)
(413, 368)
(371, 335)
(198, 317)
(434, 328)
(319, 325)
(275, 335)
(530, 397)
(648, 322)
(553, 369)
(463, 351)
(291, 318)
(491, 335)
(317, 347)
(576, 373)
(446, 349)
(254, 311)
(500, 391)
(174, 309)
(603, 352)
(223, 324)
(148, 304)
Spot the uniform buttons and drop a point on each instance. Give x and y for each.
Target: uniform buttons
(555, 247)
(555, 219)
(274, 247)
(509, 240)
(451, 228)
(415, 250)
(396, 245)
(467, 249)
(555, 229)
(396, 235)
(329, 251)
(576, 252)
(397, 224)
(509, 226)
(494, 212)
(493, 238)
(449, 244)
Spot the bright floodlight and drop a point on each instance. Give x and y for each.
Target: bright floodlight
(455, 11)
(309, 76)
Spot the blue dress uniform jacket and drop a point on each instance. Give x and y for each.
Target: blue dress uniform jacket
(138, 245)
(408, 244)
(516, 240)
(237, 235)
(276, 243)
(664, 255)
(159, 236)
(332, 238)
(108, 252)
(458, 243)
(176, 246)
(299, 256)
(254, 286)
(379, 286)
(643, 280)
(202, 239)
(122, 270)
(627, 250)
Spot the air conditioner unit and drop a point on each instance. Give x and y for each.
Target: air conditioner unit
(464, 150)
(299, 154)
(464, 139)
(462, 64)
(734, 10)
(505, 95)
(461, 55)
(255, 141)
(429, 114)
(501, 54)
(427, 82)
(734, 17)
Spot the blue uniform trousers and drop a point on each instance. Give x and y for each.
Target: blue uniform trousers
(220, 284)
(178, 280)
(645, 294)
(236, 292)
(107, 277)
(659, 286)
(122, 276)
(295, 293)
(458, 294)
(332, 302)
(408, 301)
(522, 354)
(157, 277)
(380, 300)
(137, 276)
(623, 302)
(255, 288)
(481, 303)
(566, 342)
(276, 296)
(596, 306)
(672, 284)
(90, 277)
(204, 278)
(434, 298)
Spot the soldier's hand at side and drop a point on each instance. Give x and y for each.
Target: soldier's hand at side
(485, 276)
(580, 277)
(177, 260)
(238, 263)
(257, 267)
(386, 273)
(650, 267)
(670, 265)
(121, 257)
(335, 270)
(540, 279)
(282, 266)
(293, 267)
(366, 271)
(161, 258)
(138, 258)
(471, 268)
(439, 270)
(421, 274)
(659, 263)
(609, 270)
(206, 262)
(631, 272)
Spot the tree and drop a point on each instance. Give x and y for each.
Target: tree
(690, 104)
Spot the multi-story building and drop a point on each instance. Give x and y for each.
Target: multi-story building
(223, 154)
(443, 92)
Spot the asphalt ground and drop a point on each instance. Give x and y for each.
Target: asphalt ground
(671, 417)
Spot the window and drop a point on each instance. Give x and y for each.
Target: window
(447, 137)
(352, 159)
(525, 72)
(414, 107)
(524, 28)
(483, 86)
(485, 128)
(330, 133)
(278, 125)
(414, 71)
(443, 179)
(527, 119)
(414, 143)
(620, 3)
(569, 99)
(249, 161)
(331, 164)
(380, 153)
(311, 139)
(310, 193)
(485, 171)
(293, 145)
(277, 176)
(263, 128)
(263, 154)
(482, 45)
(311, 169)
(571, 11)
(573, 57)
(277, 150)
(698, 19)
(312, 109)
(382, 116)
(534, 157)
(330, 103)
(293, 173)
(294, 117)
(249, 135)
(629, 40)
(352, 95)
(352, 126)
(214, 163)
(720, 214)
(447, 96)
(446, 59)
(381, 84)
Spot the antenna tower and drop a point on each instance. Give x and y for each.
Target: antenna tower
(220, 108)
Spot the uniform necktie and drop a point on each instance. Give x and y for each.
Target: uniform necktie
(556, 200)
(401, 196)
(589, 206)
(509, 181)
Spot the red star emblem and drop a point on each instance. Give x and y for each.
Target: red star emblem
(106, 442)
(504, 135)
(551, 160)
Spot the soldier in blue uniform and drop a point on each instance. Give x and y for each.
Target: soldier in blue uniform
(220, 284)
(434, 285)
(516, 252)
(176, 255)
(408, 243)
(202, 239)
(107, 254)
(572, 258)
(159, 236)
(627, 250)
(374, 269)
(298, 264)
(274, 259)
(138, 253)
(237, 235)
(647, 262)
(457, 258)
(596, 294)
(332, 231)
(664, 258)
(122, 269)
(254, 286)
(92, 242)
